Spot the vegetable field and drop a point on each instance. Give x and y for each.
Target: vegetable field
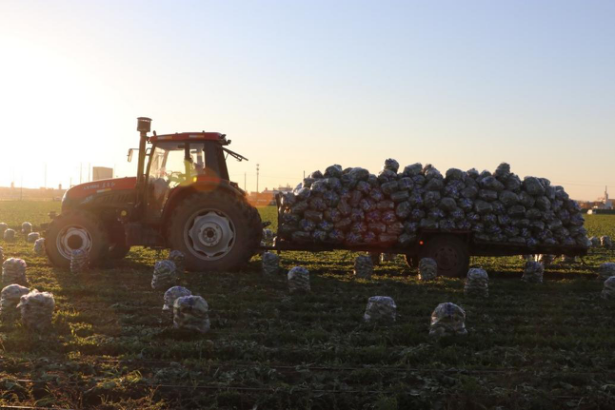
(111, 347)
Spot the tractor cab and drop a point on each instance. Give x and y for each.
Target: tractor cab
(178, 162)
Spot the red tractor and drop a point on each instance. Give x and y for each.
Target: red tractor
(180, 199)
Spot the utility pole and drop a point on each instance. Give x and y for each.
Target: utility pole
(245, 179)
(80, 172)
(45, 186)
(257, 173)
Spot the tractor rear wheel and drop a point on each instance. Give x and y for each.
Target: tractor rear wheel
(216, 231)
(450, 253)
(74, 230)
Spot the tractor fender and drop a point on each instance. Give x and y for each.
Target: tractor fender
(180, 193)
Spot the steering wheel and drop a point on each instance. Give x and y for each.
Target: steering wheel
(176, 176)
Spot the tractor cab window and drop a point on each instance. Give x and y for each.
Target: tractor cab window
(176, 163)
(173, 164)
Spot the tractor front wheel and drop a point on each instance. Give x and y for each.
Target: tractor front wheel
(216, 231)
(75, 230)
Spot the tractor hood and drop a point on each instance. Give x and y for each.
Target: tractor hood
(109, 193)
(84, 190)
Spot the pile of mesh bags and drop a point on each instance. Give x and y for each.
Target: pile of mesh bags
(26, 228)
(36, 310)
(191, 313)
(352, 207)
(270, 263)
(9, 299)
(608, 292)
(179, 259)
(380, 309)
(606, 270)
(533, 272)
(39, 246)
(79, 261)
(606, 242)
(428, 269)
(9, 235)
(172, 294)
(14, 271)
(165, 275)
(477, 283)
(33, 237)
(299, 280)
(363, 267)
(448, 319)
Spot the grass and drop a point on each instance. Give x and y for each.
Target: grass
(529, 346)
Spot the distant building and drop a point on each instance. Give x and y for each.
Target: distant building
(99, 173)
(267, 197)
(602, 205)
(604, 202)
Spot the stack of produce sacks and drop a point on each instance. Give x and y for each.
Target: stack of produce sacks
(477, 283)
(9, 299)
(270, 263)
(3, 227)
(36, 310)
(363, 267)
(9, 235)
(448, 319)
(353, 207)
(606, 242)
(26, 228)
(179, 259)
(428, 269)
(606, 270)
(1, 254)
(14, 271)
(268, 236)
(191, 312)
(172, 294)
(380, 309)
(608, 292)
(299, 280)
(79, 261)
(165, 275)
(39, 246)
(33, 237)
(533, 272)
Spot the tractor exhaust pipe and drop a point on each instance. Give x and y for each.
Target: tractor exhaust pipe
(143, 126)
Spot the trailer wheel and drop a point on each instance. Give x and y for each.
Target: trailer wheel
(450, 253)
(75, 230)
(216, 231)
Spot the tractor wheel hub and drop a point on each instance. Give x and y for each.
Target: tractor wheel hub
(210, 235)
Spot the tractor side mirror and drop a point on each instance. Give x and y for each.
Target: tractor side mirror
(130, 151)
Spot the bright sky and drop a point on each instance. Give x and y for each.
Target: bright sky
(298, 85)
